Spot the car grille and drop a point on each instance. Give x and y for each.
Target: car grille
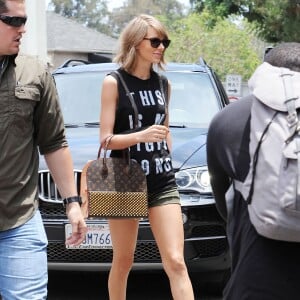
(57, 252)
(49, 193)
(146, 252)
(47, 188)
(52, 210)
(210, 248)
(208, 230)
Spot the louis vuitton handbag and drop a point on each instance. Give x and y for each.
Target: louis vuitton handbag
(114, 187)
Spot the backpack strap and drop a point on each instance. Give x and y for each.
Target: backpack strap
(229, 195)
(290, 99)
(255, 160)
(298, 158)
(129, 95)
(290, 102)
(293, 120)
(238, 185)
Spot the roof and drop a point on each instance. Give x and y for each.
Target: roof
(64, 34)
(170, 67)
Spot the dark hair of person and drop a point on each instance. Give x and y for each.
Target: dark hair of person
(285, 55)
(3, 7)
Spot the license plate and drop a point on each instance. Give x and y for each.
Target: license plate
(97, 237)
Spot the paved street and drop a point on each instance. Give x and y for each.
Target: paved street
(93, 286)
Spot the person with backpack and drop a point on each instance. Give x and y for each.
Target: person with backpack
(252, 154)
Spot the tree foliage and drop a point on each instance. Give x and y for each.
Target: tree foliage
(227, 47)
(273, 20)
(95, 14)
(169, 9)
(92, 13)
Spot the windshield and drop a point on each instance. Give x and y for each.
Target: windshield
(193, 99)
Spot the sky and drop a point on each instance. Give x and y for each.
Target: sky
(117, 3)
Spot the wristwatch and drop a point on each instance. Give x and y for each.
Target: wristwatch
(69, 200)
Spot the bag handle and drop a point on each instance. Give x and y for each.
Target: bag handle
(165, 95)
(106, 143)
(129, 95)
(108, 139)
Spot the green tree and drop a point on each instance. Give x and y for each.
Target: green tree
(92, 13)
(228, 47)
(95, 14)
(168, 10)
(273, 20)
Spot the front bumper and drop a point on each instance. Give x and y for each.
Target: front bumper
(205, 249)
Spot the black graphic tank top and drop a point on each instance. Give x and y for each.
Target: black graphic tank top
(154, 158)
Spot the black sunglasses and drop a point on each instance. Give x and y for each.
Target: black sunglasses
(13, 21)
(155, 42)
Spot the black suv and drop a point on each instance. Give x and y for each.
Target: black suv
(197, 95)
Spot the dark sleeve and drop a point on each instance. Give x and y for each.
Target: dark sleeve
(218, 176)
(228, 148)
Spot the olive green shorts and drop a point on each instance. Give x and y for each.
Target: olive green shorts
(166, 197)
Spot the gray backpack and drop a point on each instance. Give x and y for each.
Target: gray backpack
(272, 186)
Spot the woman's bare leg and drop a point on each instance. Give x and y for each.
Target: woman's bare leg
(167, 228)
(124, 235)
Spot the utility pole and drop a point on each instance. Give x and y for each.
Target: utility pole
(34, 41)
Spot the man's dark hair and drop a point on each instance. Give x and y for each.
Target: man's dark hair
(285, 55)
(3, 7)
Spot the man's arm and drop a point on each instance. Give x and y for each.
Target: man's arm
(61, 168)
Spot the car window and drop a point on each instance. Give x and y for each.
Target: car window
(193, 98)
(79, 95)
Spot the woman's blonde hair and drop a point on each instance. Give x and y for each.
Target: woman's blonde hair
(132, 35)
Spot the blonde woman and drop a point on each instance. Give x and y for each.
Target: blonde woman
(142, 46)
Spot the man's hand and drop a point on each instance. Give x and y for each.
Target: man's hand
(79, 227)
(61, 168)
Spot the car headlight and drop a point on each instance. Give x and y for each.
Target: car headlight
(194, 179)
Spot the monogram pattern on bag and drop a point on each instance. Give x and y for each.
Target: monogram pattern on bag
(119, 192)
